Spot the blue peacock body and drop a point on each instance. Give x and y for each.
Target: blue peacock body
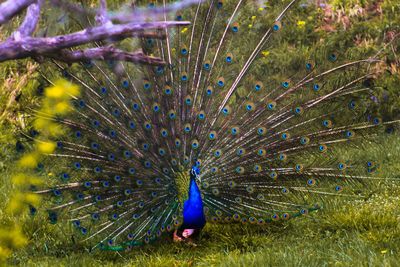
(193, 210)
(220, 133)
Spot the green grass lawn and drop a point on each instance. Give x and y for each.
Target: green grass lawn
(346, 232)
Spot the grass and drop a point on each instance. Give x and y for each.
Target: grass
(345, 233)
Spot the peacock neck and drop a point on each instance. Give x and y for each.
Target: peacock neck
(193, 214)
(194, 194)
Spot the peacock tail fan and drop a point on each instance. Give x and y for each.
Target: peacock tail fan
(266, 125)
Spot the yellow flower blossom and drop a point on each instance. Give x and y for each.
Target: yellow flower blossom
(61, 107)
(18, 238)
(46, 147)
(55, 129)
(4, 253)
(11, 238)
(184, 30)
(20, 200)
(23, 179)
(48, 127)
(301, 23)
(250, 26)
(29, 160)
(32, 198)
(260, 9)
(40, 123)
(55, 92)
(253, 17)
(265, 53)
(16, 204)
(62, 89)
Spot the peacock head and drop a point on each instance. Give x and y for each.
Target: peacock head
(195, 173)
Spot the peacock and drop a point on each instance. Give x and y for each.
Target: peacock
(221, 131)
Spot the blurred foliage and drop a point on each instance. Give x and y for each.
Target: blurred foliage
(56, 102)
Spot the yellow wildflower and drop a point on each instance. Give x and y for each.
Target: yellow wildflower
(40, 123)
(16, 204)
(4, 253)
(184, 30)
(48, 127)
(46, 147)
(19, 201)
(253, 17)
(301, 23)
(62, 89)
(23, 179)
(265, 53)
(29, 160)
(18, 238)
(55, 129)
(250, 26)
(31, 198)
(61, 107)
(55, 92)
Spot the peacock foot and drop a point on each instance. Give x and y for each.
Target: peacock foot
(185, 236)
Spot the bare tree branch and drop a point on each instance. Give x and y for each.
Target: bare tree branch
(28, 26)
(104, 53)
(26, 47)
(102, 17)
(22, 43)
(10, 8)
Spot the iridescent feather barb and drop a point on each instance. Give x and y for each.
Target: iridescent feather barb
(220, 134)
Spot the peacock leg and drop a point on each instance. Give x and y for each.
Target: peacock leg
(186, 235)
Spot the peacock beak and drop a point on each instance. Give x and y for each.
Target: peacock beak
(198, 179)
